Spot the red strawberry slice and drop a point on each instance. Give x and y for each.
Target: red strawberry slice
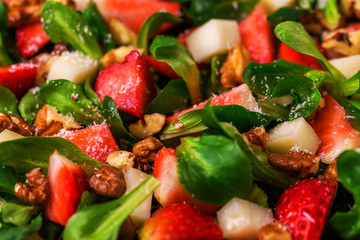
(257, 36)
(95, 141)
(180, 221)
(134, 13)
(67, 182)
(170, 190)
(304, 207)
(162, 67)
(30, 39)
(130, 84)
(240, 95)
(335, 133)
(18, 77)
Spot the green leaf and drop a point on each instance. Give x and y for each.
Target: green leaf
(286, 14)
(153, 24)
(104, 220)
(213, 169)
(12, 232)
(69, 98)
(295, 36)
(8, 179)
(203, 10)
(91, 94)
(8, 102)
(29, 106)
(173, 96)
(114, 120)
(98, 25)
(274, 110)
(18, 215)
(62, 24)
(166, 49)
(213, 85)
(350, 86)
(331, 13)
(3, 17)
(25, 154)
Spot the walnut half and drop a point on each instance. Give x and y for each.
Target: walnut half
(15, 124)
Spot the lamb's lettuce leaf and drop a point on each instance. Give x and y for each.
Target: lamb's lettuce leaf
(8, 102)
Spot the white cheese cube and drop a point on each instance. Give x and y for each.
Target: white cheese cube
(241, 219)
(293, 135)
(349, 66)
(214, 37)
(8, 135)
(73, 66)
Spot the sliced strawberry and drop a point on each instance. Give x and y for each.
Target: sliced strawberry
(257, 36)
(18, 77)
(180, 221)
(162, 67)
(304, 207)
(130, 84)
(134, 13)
(95, 141)
(67, 182)
(335, 133)
(240, 95)
(30, 39)
(170, 190)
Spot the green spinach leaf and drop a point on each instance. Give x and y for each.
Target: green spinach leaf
(69, 98)
(274, 110)
(29, 106)
(286, 14)
(104, 220)
(12, 232)
(350, 86)
(8, 179)
(8, 102)
(331, 12)
(153, 24)
(91, 94)
(166, 49)
(18, 215)
(62, 24)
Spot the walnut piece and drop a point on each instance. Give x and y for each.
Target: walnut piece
(273, 231)
(49, 122)
(108, 182)
(15, 124)
(295, 162)
(331, 172)
(120, 158)
(21, 12)
(351, 8)
(342, 42)
(145, 152)
(256, 138)
(127, 230)
(118, 55)
(122, 34)
(233, 67)
(37, 191)
(151, 125)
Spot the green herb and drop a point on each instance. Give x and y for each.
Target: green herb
(18, 215)
(62, 24)
(12, 232)
(274, 110)
(153, 24)
(173, 96)
(69, 98)
(8, 179)
(166, 49)
(331, 13)
(29, 106)
(8, 102)
(213, 85)
(286, 14)
(3, 17)
(91, 94)
(295, 36)
(348, 168)
(213, 169)
(350, 86)
(104, 220)
(25, 154)
(306, 4)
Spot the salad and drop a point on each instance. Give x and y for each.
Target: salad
(202, 119)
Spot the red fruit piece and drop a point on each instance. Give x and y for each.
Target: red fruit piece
(134, 13)
(95, 141)
(18, 77)
(180, 221)
(304, 207)
(257, 36)
(170, 190)
(162, 67)
(240, 95)
(30, 39)
(335, 133)
(130, 84)
(67, 182)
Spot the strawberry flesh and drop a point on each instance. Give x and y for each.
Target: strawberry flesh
(304, 207)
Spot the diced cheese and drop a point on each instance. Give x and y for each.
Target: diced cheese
(293, 135)
(8, 135)
(214, 37)
(349, 66)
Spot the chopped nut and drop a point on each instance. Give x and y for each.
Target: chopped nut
(233, 67)
(37, 191)
(331, 172)
(151, 125)
(295, 162)
(342, 42)
(145, 151)
(120, 158)
(351, 8)
(108, 182)
(15, 124)
(21, 12)
(257, 138)
(127, 230)
(118, 55)
(273, 231)
(49, 122)
(122, 34)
